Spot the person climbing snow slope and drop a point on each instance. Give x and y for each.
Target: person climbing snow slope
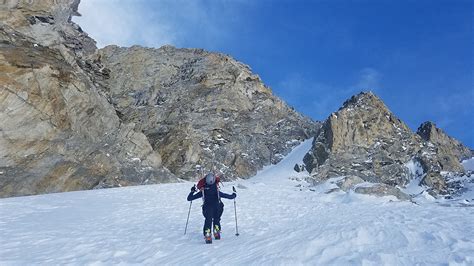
(212, 207)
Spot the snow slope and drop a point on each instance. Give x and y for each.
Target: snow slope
(281, 221)
(468, 164)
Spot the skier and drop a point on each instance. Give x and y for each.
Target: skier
(212, 207)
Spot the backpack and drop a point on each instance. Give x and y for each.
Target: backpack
(202, 182)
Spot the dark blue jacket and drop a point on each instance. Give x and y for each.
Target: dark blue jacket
(211, 195)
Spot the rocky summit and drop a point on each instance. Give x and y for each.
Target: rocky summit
(74, 117)
(365, 142)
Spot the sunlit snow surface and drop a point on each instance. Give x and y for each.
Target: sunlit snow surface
(280, 221)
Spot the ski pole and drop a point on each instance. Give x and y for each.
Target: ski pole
(235, 210)
(190, 203)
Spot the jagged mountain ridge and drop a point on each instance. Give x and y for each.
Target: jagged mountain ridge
(75, 117)
(365, 141)
(67, 126)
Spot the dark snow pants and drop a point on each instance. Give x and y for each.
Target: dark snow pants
(212, 214)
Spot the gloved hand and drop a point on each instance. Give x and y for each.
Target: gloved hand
(193, 189)
(234, 195)
(235, 191)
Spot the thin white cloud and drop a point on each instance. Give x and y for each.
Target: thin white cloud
(458, 103)
(318, 99)
(369, 80)
(123, 23)
(156, 23)
(311, 97)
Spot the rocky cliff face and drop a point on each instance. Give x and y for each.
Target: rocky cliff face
(364, 139)
(58, 132)
(201, 108)
(77, 118)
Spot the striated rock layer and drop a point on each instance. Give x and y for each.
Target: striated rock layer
(364, 139)
(73, 117)
(58, 131)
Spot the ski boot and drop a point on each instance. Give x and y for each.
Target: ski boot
(208, 237)
(217, 232)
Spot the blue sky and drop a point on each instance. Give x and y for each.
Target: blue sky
(416, 55)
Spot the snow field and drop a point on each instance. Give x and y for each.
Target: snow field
(281, 222)
(145, 225)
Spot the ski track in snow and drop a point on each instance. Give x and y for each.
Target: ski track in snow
(281, 221)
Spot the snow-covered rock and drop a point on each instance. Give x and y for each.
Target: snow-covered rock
(382, 190)
(349, 182)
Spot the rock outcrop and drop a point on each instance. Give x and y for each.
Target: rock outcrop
(201, 108)
(364, 139)
(381, 190)
(451, 150)
(73, 117)
(58, 132)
